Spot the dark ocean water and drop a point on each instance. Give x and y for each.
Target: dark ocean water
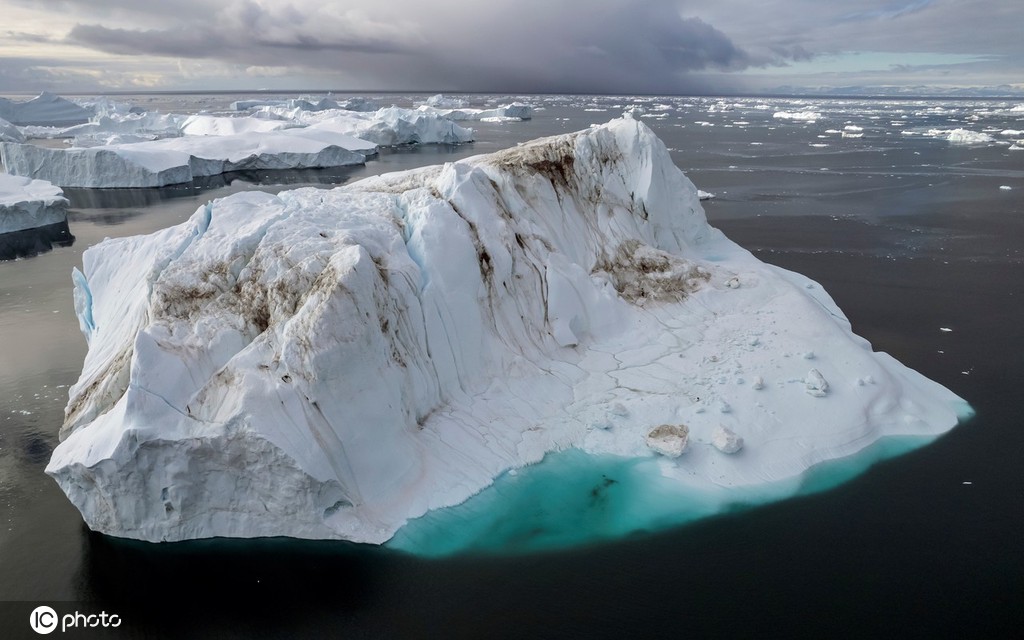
(907, 232)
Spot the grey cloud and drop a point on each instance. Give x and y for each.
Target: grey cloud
(527, 45)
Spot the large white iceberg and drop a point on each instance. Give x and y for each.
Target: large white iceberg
(177, 160)
(27, 203)
(45, 109)
(331, 364)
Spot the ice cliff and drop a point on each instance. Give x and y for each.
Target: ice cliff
(331, 364)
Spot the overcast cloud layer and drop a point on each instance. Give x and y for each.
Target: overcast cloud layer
(609, 46)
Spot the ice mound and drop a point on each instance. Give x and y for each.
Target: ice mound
(332, 364)
(27, 203)
(965, 136)
(177, 160)
(46, 109)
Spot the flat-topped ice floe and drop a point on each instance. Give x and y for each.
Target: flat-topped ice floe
(177, 160)
(386, 127)
(27, 203)
(332, 364)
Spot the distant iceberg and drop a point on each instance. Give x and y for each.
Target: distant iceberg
(335, 363)
(27, 203)
(514, 111)
(46, 109)
(9, 132)
(304, 104)
(442, 101)
(178, 160)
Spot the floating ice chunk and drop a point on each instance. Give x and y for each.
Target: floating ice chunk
(1005, 187)
(27, 203)
(668, 440)
(945, 329)
(705, 195)
(815, 384)
(805, 116)
(725, 440)
(964, 136)
(853, 128)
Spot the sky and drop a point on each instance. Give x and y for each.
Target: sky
(512, 46)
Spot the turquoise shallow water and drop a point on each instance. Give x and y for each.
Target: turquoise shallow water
(571, 498)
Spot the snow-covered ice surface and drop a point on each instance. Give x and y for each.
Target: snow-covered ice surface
(333, 364)
(177, 160)
(27, 203)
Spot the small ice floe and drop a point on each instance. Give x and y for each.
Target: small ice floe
(668, 439)
(967, 482)
(815, 384)
(725, 440)
(945, 329)
(1005, 187)
(705, 195)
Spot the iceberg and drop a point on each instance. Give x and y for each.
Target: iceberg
(302, 104)
(9, 132)
(46, 109)
(27, 203)
(206, 125)
(338, 363)
(168, 161)
(510, 112)
(395, 126)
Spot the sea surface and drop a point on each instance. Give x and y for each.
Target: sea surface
(919, 240)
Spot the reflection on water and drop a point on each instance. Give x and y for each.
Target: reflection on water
(148, 196)
(31, 242)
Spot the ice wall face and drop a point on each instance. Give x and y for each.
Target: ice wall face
(330, 364)
(27, 203)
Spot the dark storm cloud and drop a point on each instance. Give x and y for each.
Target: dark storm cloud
(535, 45)
(209, 42)
(607, 45)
